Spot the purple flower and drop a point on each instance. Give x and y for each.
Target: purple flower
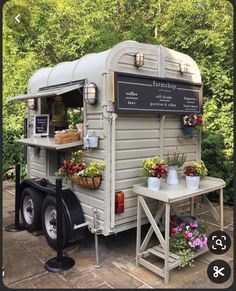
(197, 242)
(190, 234)
(174, 230)
(193, 224)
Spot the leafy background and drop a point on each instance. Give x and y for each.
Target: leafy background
(53, 31)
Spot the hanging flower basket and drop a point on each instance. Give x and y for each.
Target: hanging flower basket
(191, 124)
(88, 182)
(87, 175)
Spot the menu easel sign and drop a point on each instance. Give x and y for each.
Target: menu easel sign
(144, 94)
(41, 125)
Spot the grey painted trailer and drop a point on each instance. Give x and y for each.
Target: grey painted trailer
(125, 138)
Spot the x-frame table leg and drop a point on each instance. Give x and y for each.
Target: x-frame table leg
(167, 237)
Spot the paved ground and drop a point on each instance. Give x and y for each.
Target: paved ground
(24, 256)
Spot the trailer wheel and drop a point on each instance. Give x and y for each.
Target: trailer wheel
(49, 222)
(31, 204)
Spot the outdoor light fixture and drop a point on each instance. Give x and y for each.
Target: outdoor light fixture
(32, 104)
(183, 67)
(139, 59)
(90, 93)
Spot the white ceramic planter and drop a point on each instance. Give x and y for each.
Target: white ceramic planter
(154, 183)
(192, 182)
(172, 176)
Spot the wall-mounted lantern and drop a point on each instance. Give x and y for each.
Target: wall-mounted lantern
(90, 93)
(32, 103)
(183, 67)
(139, 59)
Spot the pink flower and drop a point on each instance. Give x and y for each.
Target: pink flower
(154, 167)
(190, 234)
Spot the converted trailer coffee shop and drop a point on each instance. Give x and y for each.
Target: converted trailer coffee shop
(132, 97)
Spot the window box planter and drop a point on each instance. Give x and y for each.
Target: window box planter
(87, 182)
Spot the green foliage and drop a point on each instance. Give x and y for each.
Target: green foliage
(11, 155)
(93, 169)
(180, 246)
(56, 31)
(217, 163)
(175, 159)
(74, 116)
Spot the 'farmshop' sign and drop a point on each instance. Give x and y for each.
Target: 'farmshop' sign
(156, 95)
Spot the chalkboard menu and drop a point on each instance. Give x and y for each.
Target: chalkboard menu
(41, 125)
(134, 93)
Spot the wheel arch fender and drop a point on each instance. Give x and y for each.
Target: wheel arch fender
(74, 215)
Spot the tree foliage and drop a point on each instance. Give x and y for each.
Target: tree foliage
(53, 31)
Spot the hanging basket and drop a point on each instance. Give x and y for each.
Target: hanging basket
(88, 182)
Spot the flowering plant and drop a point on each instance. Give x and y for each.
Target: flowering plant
(155, 167)
(196, 169)
(93, 169)
(78, 167)
(176, 159)
(193, 120)
(187, 238)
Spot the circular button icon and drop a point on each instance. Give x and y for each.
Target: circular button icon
(219, 271)
(219, 242)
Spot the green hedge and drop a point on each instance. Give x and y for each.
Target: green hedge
(217, 162)
(13, 153)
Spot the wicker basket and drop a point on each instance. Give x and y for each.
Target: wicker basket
(88, 182)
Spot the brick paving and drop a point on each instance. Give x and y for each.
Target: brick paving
(24, 256)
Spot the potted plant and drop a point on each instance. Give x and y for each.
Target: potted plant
(154, 169)
(84, 174)
(193, 173)
(174, 161)
(186, 239)
(191, 122)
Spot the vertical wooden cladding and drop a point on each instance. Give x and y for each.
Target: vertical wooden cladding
(38, 165)
(137, 138)
(172, 130)
(94, 198)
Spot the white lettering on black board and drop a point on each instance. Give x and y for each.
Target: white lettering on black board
(148, 94)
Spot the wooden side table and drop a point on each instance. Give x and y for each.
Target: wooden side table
(167, 195)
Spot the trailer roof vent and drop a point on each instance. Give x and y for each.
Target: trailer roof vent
(139, 59)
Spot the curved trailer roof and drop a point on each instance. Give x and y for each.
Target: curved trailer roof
(72, 75)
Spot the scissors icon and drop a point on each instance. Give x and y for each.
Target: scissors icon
(218, 272)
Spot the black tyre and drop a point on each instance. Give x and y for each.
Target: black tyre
(49, 222)
(31, 204)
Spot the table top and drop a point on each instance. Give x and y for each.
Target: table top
(173, 193)
(48, 142)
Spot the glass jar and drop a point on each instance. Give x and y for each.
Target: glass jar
(58, 109)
